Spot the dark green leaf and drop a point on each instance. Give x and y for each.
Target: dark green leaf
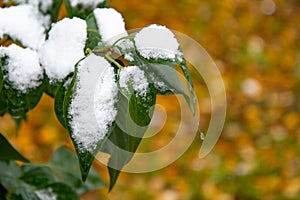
(93, 36)
(22, 194)
(181, 62)
(59, 99)
(81, 10)
(190, 85)
(32, 182)
(9, 173)
(19, 103)
(166, 75)
(141, 109)
(64, 160)
(51, 87)
(3, 191)
(85, 156)
(8, 152)
(9, 169)
(58, 104)
(133, 119)
(60, 190)
(66, 164)
(3, 104)
(119, 139)
(1, 78)
(37, 176)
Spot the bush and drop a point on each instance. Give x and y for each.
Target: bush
(104, 82)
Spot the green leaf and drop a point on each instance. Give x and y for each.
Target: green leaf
(85, 156)
(181, 62)
(166, 75)
(9, 173)
(61, 191)
(65, 163)
(93, 36)
(58, 191)
(117, 160)
(165, 78)
(19, 103)
(134, 116)
(9, 169)
(190, 85)
(141, 109)
(38, 176)
(8, 152)
(59, 99)
(32, 182)
(3, 191)
(22, 194)
(81, 10)
(64, 160)
(51, 87)
(58, 104)
(1, 78)
(3, 104)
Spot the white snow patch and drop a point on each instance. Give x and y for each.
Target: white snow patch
(161, 86)
(46, 194)
(126, 45)
(110, 24)
(64, 47)
(23, 23)
(135, 77)
(43, 4)
(92, 109)
(85, 3)
(129, 57)
(104, 100)
(156, 42)
(23, 68)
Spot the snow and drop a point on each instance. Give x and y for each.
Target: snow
(85, 3)
(23, 68)
(129, 57)
(46, 194)
(92, 109)
(110, 23)
(156, 42)
(44, 4)
(23, 23)
(104, 100)
(126, 45)
(64, 48)
(135, 77)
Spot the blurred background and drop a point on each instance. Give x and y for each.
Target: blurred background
(256, 46)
